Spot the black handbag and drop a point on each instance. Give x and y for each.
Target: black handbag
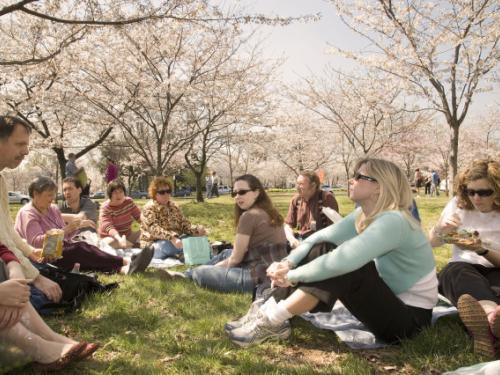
(75, 287)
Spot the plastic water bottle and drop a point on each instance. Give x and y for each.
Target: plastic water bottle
(76, 268)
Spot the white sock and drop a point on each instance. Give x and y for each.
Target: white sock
(275, 312)
(270, 303)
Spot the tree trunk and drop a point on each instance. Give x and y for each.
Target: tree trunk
(199, 186)
(455, 128)
(61, 160)
(347, 179)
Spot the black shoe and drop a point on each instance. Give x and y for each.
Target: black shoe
(140, 262)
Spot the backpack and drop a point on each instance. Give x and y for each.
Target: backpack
(75, 288)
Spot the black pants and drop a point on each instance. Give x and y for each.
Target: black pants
(369, 299)
(482, 283)
(427, 189)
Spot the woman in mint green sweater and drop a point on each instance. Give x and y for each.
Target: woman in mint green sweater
(377, 261)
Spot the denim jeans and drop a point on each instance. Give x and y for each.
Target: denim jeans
(39, 300)
(165, 249)
(223, 279)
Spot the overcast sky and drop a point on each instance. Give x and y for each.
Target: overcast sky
(305, 45)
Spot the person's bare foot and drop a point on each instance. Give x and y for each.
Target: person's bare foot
(494, 321)
(63, 339)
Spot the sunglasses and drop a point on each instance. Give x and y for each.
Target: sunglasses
(359, 176)
(164, 191)
(481, 192)
(240, 192)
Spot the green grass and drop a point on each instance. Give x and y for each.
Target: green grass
(147, 326)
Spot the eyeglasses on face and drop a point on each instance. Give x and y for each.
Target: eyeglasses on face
(240, 192)
(163, 191)
(480, 192)
(358, 176)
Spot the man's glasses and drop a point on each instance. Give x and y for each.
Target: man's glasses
(164, 191)
(359, 176)
(481, 192)
(240, 192)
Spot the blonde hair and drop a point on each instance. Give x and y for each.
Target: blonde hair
(395, 192)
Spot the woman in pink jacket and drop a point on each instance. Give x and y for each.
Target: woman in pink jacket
(37, 217)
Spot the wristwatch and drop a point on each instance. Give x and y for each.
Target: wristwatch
(483, 253)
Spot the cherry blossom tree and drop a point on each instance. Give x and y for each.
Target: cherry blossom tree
(444, 51)
(369, 111)
(480, 139)
(300, 140)
(232, 96)
(55, 24)
(165, 92)
(244, 148)
(60, 119)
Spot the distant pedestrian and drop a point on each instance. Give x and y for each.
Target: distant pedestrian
(111, 171)
(419, 180)
(427, 184)
(70, 167)
(215, 184)
(208, 185)
(435, 181)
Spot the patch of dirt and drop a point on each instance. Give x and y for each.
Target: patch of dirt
(295, 356)
(380, 360)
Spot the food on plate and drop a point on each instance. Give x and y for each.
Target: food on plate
(463, 238)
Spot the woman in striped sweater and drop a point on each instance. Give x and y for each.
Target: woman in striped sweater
(116, 218)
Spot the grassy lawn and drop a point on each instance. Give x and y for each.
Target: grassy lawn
(152, 327)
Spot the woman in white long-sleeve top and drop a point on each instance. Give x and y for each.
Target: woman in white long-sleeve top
(382, 268)
(471, 280)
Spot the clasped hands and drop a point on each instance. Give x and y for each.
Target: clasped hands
(278, 272)
(14, 296)
(78, 222)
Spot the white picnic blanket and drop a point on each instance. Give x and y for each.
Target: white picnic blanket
(165, 263)
(93, 239)
(352, 332)
(485, 368)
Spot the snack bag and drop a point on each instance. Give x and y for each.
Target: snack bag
(53, 243)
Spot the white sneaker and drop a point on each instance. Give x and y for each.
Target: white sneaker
(251, 313)
(258, 330)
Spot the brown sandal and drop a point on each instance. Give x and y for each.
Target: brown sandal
(61, 363)
(88, 350)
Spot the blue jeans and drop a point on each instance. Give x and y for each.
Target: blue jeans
(165, 249)
(39, 301)
(223, 279)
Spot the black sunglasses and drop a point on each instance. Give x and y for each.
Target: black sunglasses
(480, 192)
(240, 192)
(164, 191)
(359, 176)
